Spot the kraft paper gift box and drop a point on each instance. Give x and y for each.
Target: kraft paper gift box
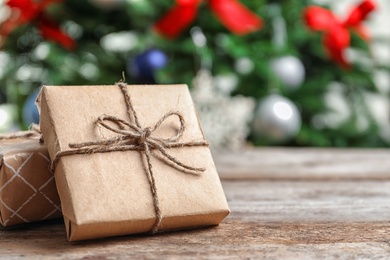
(27, 187)
(105, 192)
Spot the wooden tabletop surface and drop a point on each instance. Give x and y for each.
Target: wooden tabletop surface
(286, 204)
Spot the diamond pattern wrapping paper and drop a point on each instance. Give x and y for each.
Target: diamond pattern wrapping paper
(108, 194)
(27, 188)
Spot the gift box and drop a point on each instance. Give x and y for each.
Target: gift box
(27, 187)
(129, 159)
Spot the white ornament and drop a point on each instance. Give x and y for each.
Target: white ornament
(224, 119)
(276, 119)
(7, 118)
(244, 65)
(290, 70)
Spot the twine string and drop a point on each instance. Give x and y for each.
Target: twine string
(131, 136)
(33, 132)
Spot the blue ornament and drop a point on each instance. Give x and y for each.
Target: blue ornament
(144, 65)
(30, 111)
(156, 58)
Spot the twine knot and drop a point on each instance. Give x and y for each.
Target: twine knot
(131, 136)
(146, 132)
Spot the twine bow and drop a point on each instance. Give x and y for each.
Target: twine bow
(132, 136)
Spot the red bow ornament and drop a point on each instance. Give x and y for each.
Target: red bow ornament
(336, 35)
(235, 16)
(27, 11)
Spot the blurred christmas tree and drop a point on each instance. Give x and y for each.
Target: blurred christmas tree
(283, 63)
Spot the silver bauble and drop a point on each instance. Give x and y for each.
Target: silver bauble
(289, 70)
(276, 119)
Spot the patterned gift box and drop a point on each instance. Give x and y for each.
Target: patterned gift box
(27, 187)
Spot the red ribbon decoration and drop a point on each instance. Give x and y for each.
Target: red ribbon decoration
(27, 11)
(235, 16)
(336, 35)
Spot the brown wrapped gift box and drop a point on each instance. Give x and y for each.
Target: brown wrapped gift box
(108, 194)
(27, 188)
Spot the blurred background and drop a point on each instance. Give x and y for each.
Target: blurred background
(262, 73)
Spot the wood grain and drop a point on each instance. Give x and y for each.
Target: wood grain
(304, 163)
(300, 219)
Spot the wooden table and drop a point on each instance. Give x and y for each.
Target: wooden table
(286, 204)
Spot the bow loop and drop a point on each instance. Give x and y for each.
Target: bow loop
(320, 19)
(234, 15)
(121, 124)
(179, 132)
(359, 13)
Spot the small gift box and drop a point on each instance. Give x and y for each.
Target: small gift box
(129, 159)
(27, 187)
